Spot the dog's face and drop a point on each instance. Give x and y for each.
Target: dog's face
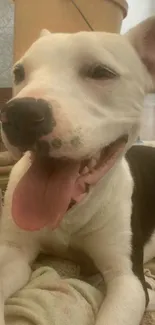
(79, 97)
(93, 86)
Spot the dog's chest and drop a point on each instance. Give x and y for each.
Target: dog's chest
(62, 244)
(55, 242)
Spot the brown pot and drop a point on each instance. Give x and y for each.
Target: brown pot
(64, 16)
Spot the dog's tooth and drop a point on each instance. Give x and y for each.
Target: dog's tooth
(92, 163)
(85, 170)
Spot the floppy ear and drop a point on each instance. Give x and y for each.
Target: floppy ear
(142, 37)
(44, 32)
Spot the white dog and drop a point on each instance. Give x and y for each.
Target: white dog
(76, 110)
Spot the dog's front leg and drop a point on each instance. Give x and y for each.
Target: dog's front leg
(124, 303)
(14, 273)
(110, 248)
(18, 248)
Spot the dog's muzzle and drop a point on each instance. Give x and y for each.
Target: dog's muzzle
(26, 120)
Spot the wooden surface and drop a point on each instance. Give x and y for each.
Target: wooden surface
(5, 95)
(63, 16)
(104, 15)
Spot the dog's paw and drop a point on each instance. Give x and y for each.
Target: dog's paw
(151, 305)
(150, 279)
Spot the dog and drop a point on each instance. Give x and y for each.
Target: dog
(75, 112)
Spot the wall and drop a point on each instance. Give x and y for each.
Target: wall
(138, 10)
(6, 42)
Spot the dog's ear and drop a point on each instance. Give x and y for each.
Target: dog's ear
(142, 37)
(44, 32)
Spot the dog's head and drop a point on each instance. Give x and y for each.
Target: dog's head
(78, 100)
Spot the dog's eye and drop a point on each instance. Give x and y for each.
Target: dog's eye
(101, 72)
(19, 73)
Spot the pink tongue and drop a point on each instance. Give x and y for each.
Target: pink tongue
(43, 194)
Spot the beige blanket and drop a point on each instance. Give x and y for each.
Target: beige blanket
(57, 295)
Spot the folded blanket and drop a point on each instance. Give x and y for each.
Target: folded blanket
(54, 298)
(57, 295)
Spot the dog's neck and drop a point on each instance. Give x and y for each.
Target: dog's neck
(98, 198)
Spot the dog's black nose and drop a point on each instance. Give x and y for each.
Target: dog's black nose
(25, 120)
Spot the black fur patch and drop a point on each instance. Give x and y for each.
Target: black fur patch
(141, 160)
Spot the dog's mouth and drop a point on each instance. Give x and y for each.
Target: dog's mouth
(51, 186)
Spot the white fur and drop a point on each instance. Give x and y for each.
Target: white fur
(98, 112)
